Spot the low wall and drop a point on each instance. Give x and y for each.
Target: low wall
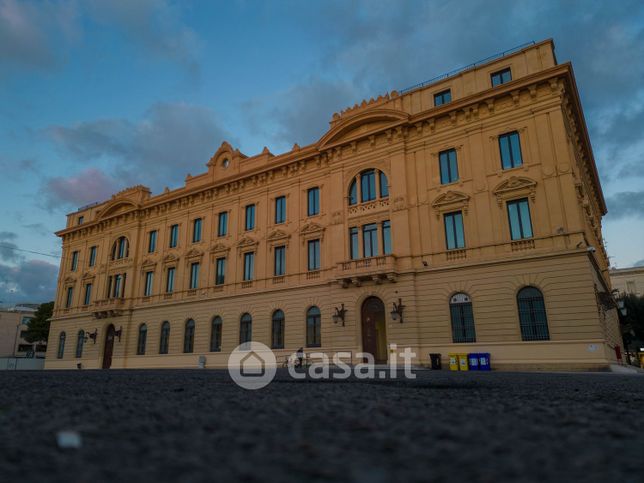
(21, 364)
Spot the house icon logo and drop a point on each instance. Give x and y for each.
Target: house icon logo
(252, 365)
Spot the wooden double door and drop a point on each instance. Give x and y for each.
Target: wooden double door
(374, 330)
(108, 348)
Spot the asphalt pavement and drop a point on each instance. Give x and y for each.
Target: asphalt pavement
(197, 425)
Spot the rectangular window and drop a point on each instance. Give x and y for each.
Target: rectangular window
(81, 219)
(442, 97)
(92, 256)
(74, 261)
(250, 217)
(368, 186)
(354, 247)
(386, 237)
(314, 255)
(384, 186)
(249, 265)
(448, 166)
(196, 230)
(222, 225)
(70, 297)
(220, 271)
(88, 294)
(370, 240)
(119, 286)
(454, 234)
(519, 218)
(313, 205)
(152, 241)
(194, 275)
(501, 77)
(169, 284)
(510, 147)
(280, 261)
(280, 209)
(174, 236)
(149, 279)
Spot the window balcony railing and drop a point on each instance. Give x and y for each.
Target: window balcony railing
(112, 307)
(355, 272)
(519, 245)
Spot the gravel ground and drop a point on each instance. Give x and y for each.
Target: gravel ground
(441, 427)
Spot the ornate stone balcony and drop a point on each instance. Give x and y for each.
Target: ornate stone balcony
(102, 309)
(377, 269)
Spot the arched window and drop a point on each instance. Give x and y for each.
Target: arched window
(215, 334)
(532, 314)
(143, 336)
(245, 328)
(61, 345)
(189, 336)
(277, 332)
(460, 308)
(373, 184)
(313, 327)
(80, 340)
(120, 249)
(165, 338)
(353, 193)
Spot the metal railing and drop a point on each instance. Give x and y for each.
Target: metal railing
(467, 67)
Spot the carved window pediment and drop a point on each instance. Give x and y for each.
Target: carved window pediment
(70, 280)
(246, 242)
(515, 186)
(194, 253)
(278, 235)
(311, 228)
(87, 276)
(170, 258)
(220, 248)
(148, 263)
(450, 201)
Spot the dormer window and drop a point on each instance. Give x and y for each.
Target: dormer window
(368, 179)
(501, 77)
(120, 249)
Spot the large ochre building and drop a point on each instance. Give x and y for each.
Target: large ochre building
(462, 215)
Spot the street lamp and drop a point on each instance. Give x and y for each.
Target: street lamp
(339, 315)
(397, 312)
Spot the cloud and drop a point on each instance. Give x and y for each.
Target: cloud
(38, 228)
(86, 187)
(31, 33)
(170, 141)
(300, 114)
(28, 281)
(154, 25)
(39, 34)
(7, 252)
(626, 204)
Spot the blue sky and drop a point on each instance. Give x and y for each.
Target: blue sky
(99, 95)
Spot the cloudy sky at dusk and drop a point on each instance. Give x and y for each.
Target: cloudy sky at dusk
(99, 95)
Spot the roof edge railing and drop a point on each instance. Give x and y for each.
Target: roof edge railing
(467, 67)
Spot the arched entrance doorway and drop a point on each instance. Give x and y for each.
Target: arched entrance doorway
(109, 347)
(374, 332)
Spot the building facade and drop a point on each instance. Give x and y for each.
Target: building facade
(628, 281)
(459, 216)
(13, 324)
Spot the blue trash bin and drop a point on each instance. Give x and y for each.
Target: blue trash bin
(484, 362)
(474, 361)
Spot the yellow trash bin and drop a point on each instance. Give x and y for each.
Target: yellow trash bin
(641, 360)
(463, 363)
(453, 362)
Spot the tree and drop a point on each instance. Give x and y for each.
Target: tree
(633, 322)
(38, 327)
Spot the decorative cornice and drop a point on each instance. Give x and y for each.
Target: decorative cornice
(449, 201)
